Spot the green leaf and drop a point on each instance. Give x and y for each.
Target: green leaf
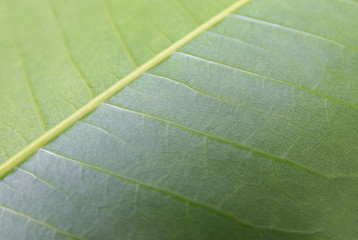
(58, 55)
(248, 131)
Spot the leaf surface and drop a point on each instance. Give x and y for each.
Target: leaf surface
(249, 131)
(57, 56)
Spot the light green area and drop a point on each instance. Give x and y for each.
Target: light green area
(248, 132)
(55, 56)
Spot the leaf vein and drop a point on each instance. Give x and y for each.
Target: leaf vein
(304, 33)
(225, 101)
(21, 156)
(103, 130)
(265, 155)
(119, 36)
(311, 91)
(69, 54)
(186, 11)
(36, 104)
(42, 223)
(171, 194)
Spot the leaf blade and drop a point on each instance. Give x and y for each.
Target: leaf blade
(156, 143)
(72, 54)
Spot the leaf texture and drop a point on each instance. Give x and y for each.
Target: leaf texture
(57, 56)
(249, 131)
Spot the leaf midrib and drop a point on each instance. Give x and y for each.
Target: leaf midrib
(27, 151)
